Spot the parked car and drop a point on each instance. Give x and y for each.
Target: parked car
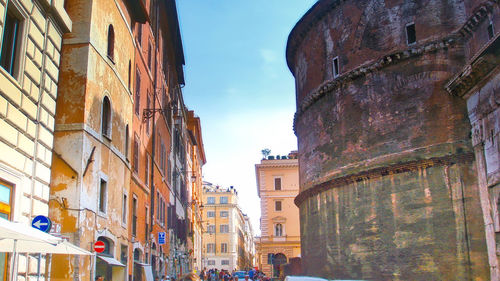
(240, 275)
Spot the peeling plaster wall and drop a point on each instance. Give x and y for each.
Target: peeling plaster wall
(388, 185)
(87, 76)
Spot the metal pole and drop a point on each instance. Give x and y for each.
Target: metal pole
(38, 269)
(14, 262)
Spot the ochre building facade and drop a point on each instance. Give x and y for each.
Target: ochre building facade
(392, 185)
(277, 187)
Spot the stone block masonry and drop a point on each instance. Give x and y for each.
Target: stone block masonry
(26, 120)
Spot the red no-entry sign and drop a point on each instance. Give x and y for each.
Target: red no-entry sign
(99, 246)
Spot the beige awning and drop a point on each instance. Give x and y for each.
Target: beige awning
(111, 261)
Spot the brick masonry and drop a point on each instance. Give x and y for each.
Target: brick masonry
(389, 187)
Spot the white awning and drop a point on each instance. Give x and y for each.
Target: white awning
(22, 238)
(111, 261)
(148, 272)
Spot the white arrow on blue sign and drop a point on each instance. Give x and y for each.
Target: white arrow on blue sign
(42, 223)
(161, 238)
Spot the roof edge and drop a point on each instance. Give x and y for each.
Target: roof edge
(302, 27)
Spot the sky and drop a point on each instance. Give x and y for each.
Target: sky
(238, 83)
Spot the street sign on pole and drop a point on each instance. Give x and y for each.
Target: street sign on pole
(41, 223)
(161, 238)
(99, 246)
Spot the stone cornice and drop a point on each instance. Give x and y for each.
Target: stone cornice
(320, 9)
(479, 14)
(477, 69)
(381, 172)
(361, 71)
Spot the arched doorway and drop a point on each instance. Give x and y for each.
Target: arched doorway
(278, 260)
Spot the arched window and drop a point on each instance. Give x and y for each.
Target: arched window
(127, 141)
(137, 255)
(107, 246)
(106, 117)
(278, 230)
(111, 42)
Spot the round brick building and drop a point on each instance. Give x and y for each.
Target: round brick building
(388, 185)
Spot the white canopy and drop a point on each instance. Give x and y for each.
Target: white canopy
(22, 238)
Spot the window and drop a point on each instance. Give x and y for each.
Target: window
(106, 118)
(211, 228)
(277, 183)
(150, 55)
(277, 205)
(107, 246)
(211, 262)
(111, 42)
(136, 155)
(139, 33)
(491, 31)
(224, 214)
(137, 92)
(224, 228)
(129, 74)
(148, 106)
(6, 191)
(10, 53)
(211, 248)
(211, 214)
(146, 173)
(336, 67)
(411, 37)
(278, 230)
(123, 253)
(134, 217)
(127, 140)
(146, 213)
(223, 247)
(103, 186)
(211, 200)
(124, 209)
(223, 199)
(137, 255)
(224, 262)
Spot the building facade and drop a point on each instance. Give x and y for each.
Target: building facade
(90, 184)
(224, 244)
(31, 33)
(277, 187)
(196, 160)
(391, 185)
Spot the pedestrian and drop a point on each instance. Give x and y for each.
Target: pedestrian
(99, 278)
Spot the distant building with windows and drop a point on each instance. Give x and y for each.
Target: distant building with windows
(277, 186)
(225, 242)
(31, 36)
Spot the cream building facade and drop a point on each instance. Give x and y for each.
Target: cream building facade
(31, 33)
(224, 243)
(277, 187)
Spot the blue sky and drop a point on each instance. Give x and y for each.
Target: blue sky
(238, 83)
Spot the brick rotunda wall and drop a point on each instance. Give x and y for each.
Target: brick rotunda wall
(388, 185)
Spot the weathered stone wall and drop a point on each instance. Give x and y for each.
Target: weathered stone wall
(387, 171)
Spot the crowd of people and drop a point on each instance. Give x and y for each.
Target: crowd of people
(224, 275)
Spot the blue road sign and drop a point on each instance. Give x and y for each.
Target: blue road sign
(161, 238)
(42, 223)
